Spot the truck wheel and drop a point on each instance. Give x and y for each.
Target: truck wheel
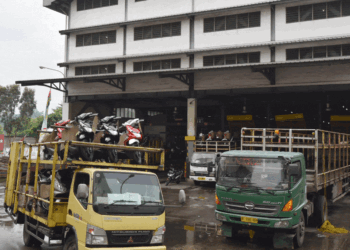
(71, 243)
(321, 210)
(28, 239)
(197, 183)
(300, 232)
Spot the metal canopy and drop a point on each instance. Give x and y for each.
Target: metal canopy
(61, 6)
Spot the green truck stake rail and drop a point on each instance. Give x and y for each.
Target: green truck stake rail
(279, 180)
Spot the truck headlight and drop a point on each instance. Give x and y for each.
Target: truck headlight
(192, 173)
(282, 224)
(158, 235)
(212, 174)
(220, 217)
(95, 236)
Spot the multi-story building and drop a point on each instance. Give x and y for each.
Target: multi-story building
(223, 57)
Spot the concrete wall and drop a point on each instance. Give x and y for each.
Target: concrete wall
(96, 51)
(233, 37)
(98, 16)
(308, 29)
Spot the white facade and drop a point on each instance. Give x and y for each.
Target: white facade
(194, 44)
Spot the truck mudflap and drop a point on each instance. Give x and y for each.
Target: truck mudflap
(283, 241)
(126, 248)
(202, 178)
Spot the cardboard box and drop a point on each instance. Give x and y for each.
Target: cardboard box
(44, 191)
(21, 196)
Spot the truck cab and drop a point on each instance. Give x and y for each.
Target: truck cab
(203, 167)
(111, 209)
(259, 190)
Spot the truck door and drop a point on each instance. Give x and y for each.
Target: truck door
(78, 208)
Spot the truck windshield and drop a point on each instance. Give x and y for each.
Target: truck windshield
(262, 173)
(199, 159)
(125, 193)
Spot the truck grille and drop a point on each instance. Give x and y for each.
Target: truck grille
(129, 239)
(201, 173)
(258, 209)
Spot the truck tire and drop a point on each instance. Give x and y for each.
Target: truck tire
(321, 210)
(29, 240)
(71, 243)
(197, 183)
(300, 232)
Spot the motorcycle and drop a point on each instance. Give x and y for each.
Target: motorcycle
(85, 134)
(133, 138)
(110, 136)
(63, 180)
(174, 176)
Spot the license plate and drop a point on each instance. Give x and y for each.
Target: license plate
(201, 178)
(249, 219)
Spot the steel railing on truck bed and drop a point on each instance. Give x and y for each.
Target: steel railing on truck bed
(214, 146)
(57, 210)
(326, 153)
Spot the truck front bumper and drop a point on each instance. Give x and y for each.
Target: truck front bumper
(126, 248)
(203, 178)
(263, 222)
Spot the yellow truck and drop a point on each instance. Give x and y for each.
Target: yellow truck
(86, 205)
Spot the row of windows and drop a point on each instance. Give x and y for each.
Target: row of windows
(93, 4)
(126, 112)
(240, 21)
(240, 58)
(96, 38)
(317, 11)
(95, 70)
(157, 65)
(318, 52)
(157, 31)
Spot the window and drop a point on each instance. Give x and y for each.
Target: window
(230, 59)
(320, 11)
(96, 38)
(306, 53)
(82, 178)
(318, 52)
(334, 50)
(95, 70)
(240, 21)
(93, 4)
(292, 54)
(157, 65)
(317, 11)
(157, 31)
(126, 112)
(292, 14)
(296, 178)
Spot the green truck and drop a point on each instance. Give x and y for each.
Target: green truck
(281, 180)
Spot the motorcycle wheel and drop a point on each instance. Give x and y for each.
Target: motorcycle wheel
(136, 155)
(167, 182)
(112, 155)
(86, 153)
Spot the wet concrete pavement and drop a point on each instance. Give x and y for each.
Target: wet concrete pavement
(194, 227)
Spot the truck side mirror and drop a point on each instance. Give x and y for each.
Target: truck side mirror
(83, 191)
(293, 169)
(182, 197)
(217, 159)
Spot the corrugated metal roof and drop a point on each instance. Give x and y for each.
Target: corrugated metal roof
(194, 13)
(189, 70)
(212, 49)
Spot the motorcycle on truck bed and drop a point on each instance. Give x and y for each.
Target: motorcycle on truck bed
(280, 180)
(106, 205)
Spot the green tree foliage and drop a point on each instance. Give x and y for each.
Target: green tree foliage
(10, 97)
(1, 130)
(36, 123)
